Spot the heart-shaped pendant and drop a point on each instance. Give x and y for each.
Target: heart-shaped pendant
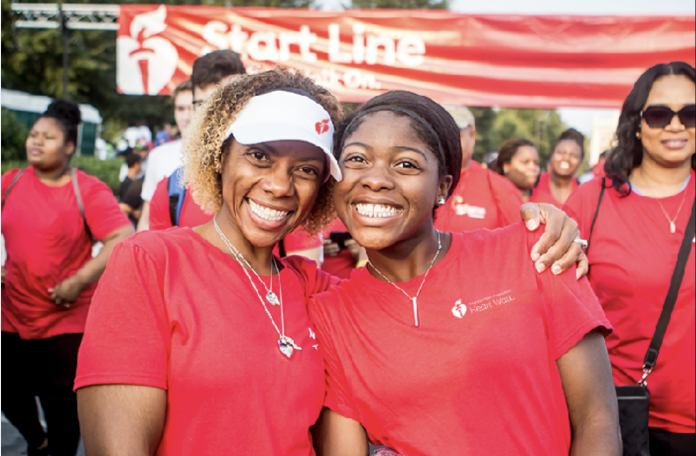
(272, 298)
(285, 348)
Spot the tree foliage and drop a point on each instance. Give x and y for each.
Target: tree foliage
(14, 134)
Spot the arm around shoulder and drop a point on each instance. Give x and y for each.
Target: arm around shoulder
(121, 420)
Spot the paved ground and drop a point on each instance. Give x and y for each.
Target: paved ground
(14, 445)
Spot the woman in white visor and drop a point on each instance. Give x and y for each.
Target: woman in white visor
(199, 341)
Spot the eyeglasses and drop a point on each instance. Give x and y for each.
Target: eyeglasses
(661, 116)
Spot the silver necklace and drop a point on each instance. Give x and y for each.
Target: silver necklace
(414, 300)
(285, 344)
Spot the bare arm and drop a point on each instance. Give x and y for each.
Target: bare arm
(144, 221)
(336, 435)
(121, 420)
(69, 289)
(587, 381)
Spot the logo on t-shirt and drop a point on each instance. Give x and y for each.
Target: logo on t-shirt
(459, 309)
(470, 211)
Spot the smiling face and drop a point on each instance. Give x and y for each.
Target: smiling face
(523, 169)
(269, 188)
(566, 158)
(390, 182)
(46, 145)
(673, 145)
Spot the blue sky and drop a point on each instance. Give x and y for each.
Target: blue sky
(578, 118)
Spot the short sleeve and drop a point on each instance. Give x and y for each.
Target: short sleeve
(102, 212)
(507, 199)
(126, 339)
(572, 310)
(338, 397)
(160, 218)
(152, 177)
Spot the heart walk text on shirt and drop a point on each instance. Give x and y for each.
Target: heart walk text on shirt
(490, 302)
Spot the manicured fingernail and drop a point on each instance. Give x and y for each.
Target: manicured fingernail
(535, 256)
(556, 269)
(540, 267)
(532, 225)
(577, 274)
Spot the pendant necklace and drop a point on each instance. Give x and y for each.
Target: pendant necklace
(271, 297)
(285, 344)
(414, 300)
(673, 223)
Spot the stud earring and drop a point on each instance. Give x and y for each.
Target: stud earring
(638, 135)
(441, 201)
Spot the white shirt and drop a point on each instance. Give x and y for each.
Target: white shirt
(163, 161)
(132, 135)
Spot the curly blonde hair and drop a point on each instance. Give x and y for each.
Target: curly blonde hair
(205, 142)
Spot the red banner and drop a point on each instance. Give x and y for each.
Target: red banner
(479, 60)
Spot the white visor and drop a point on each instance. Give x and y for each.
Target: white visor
(286, 116)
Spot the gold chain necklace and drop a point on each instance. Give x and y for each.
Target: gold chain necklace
(672, 223)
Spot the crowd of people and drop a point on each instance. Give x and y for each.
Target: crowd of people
(303, 282)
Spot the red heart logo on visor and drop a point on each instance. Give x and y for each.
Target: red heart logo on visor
(322, 127)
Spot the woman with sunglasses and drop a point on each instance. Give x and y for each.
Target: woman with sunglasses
(450, 344)
(642, 218)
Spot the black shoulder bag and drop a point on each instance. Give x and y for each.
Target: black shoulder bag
(634, 401)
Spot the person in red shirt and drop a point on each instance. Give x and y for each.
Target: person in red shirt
(341, 253)
(634, 244)
(50, 212)
(518, 161)
(214, 351)
(556, 186)
(425, 350)
(482, 199)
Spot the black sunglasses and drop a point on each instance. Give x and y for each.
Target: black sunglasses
(661, 116)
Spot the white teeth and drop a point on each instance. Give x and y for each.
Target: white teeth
(565, 165)
(376, 210)
(267, 213)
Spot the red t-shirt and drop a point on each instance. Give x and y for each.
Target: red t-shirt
(542, 193)
(632, 256)
(479, 375)
(340, 265)
(191, 213)
(174, 312)
(192, 216)
(482, 199)
(46, 243)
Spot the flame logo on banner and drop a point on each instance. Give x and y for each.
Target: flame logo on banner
(146, 62)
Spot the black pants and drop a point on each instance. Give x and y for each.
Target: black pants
(664, 443)
(44, 368)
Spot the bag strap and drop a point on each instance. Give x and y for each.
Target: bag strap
(177, 194)
(594, 219)
(671, 300)
(12, 184)
(76, 187)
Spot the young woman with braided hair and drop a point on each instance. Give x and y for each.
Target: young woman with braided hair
(450, 343)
